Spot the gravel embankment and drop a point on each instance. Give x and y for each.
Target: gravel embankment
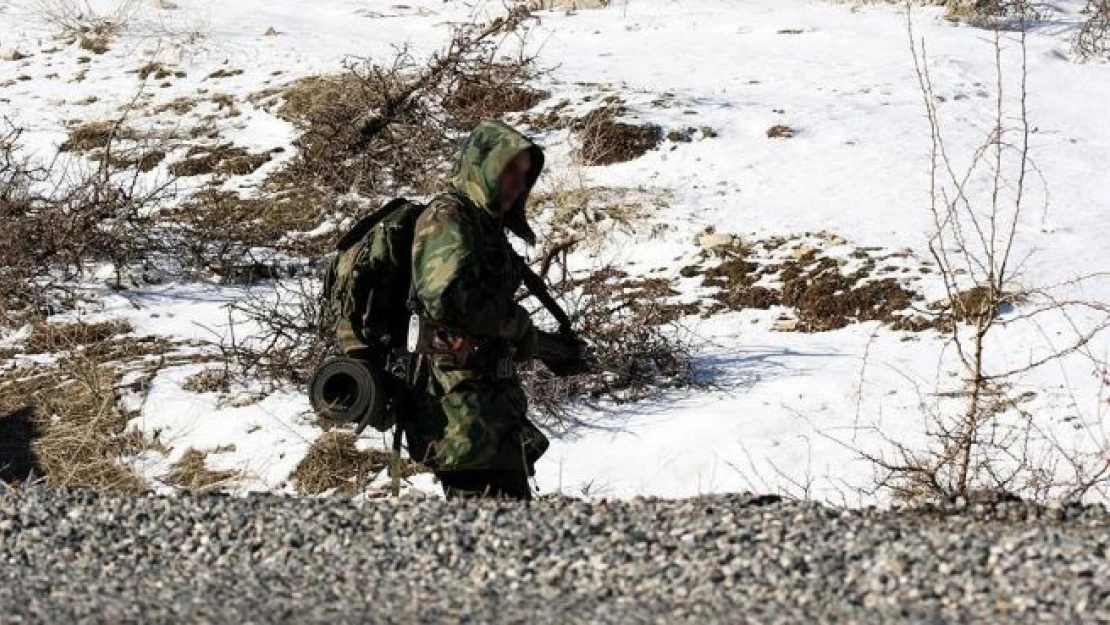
(76, 557)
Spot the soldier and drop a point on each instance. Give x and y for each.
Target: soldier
(472, 427)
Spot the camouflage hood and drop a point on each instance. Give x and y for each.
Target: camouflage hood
(477, 174)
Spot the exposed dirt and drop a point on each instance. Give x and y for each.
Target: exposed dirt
(822, 292)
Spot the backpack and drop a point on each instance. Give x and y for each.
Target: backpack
(366, 288)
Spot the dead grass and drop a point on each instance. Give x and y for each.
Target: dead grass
(975, 304)
(567, 5)
(220, 227)
(495, 90)
(333, 463)
(94, 136)
(605, 141)
(780, 131)
(49, 338)
(75, 405)
(225, 159)
(208, 381)
(821, 293)
(191, 472)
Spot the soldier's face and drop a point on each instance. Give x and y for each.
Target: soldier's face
(514, 180)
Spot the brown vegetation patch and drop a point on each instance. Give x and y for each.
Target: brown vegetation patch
(822, 293)
(780, 131)
(333, 463)
(219, 225)
(143, 161)
(224, 73)
(49, 338)
(606, 141)
(208, 381)
(498, 89)
(975, 304)
(154, 69)
(81, 438)
(191, 472)
(223, 159)
(179, 106)
(94, 135)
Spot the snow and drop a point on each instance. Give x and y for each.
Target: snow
(788, 412)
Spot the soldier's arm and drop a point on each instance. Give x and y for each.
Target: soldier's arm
(449, 282)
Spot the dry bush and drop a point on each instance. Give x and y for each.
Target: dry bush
(993, 13)
(379, 130)
(290, 334)
(81, 437)
(208, 381)
(334, 464)
(79, 21)
(220, 231)
(1092, 41)
(979, 437)
(49, 338)
(192, 473)
(382, 128)
(637, 349)
(606, 141)
(62, 218)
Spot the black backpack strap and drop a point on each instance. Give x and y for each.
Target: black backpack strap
(359, 230)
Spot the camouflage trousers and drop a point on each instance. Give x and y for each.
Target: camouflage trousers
(479, 424)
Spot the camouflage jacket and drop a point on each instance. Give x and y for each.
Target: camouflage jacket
(465, 272)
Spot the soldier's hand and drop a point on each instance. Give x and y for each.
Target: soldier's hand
(527, 346)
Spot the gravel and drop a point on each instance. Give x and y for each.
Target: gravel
(69, 556)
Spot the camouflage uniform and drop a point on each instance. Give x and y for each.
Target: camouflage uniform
(465, 276)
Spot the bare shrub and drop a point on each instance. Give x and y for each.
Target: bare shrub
(288, 334)
(334, 464)
(567, 5)
(381, 129)
(384, 127)
(191, 472)
(981, 442)
(637, 347)
(50, 338)
(605, 140)
(993, 13)
(91, 28)
(61, 218)
(1092, 41)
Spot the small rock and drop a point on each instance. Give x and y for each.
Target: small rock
(712, 241)
(785, 325)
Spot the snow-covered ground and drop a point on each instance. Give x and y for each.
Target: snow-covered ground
(788, 411)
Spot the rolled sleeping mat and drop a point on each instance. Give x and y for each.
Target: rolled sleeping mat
(347, 390)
